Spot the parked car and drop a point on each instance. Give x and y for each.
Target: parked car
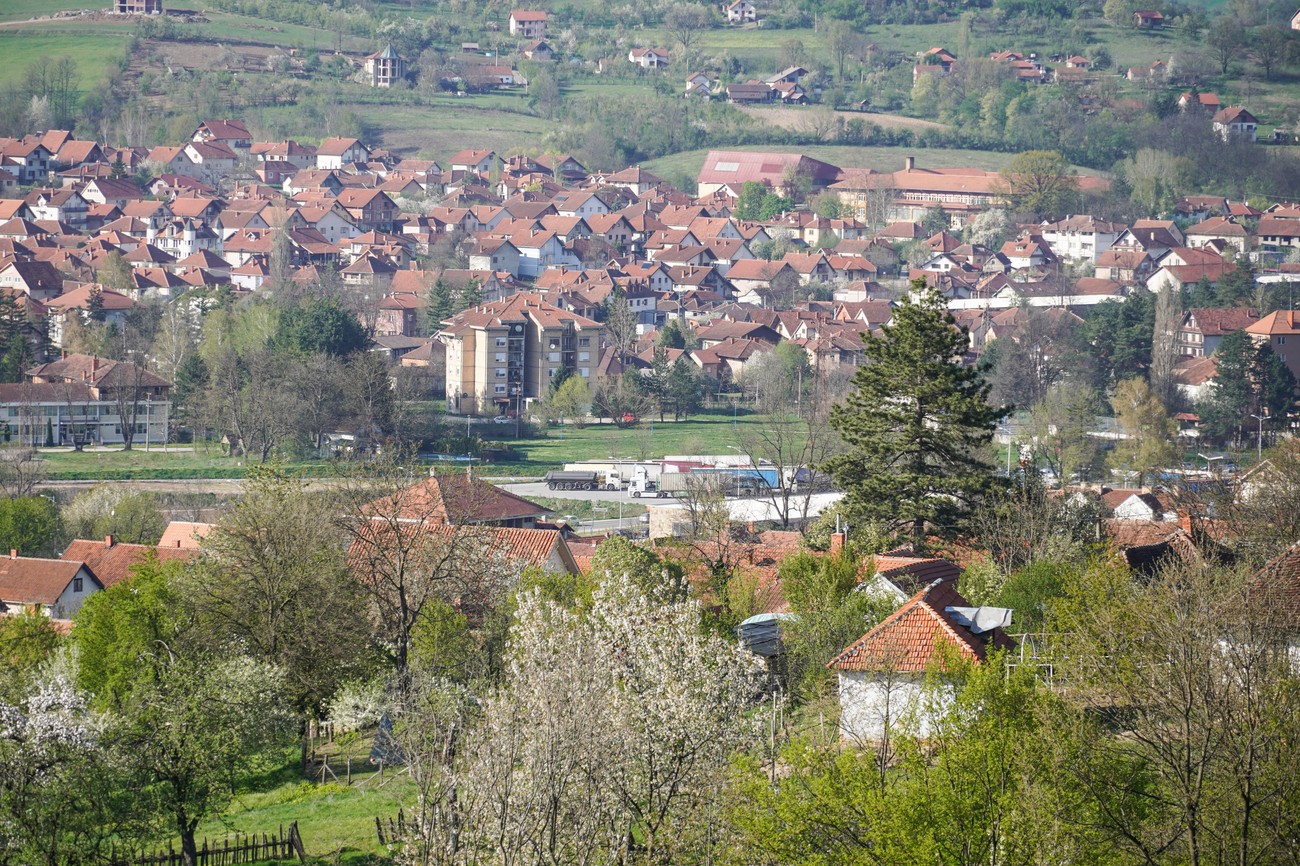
(628, 418)
(501, 419)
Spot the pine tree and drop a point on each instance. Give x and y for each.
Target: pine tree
(914, 424)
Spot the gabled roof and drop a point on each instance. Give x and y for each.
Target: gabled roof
(28, 580)
(915, 637)
(1278, 322)
(456, 499)
(111, 561)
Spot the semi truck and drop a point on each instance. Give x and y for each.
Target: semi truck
(727, 481)
(582, 480)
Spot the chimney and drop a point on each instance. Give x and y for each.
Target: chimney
(909, 163)
(837, 543)
(108, 541)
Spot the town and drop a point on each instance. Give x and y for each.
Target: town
(716, 434)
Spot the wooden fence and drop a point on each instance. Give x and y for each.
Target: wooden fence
(392, 830)
(284, 845)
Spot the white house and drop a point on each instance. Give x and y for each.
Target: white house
(740, 12)
(1081, 238)
(1235, 122)
(54, 587)
(882, 675)
(648, 58)
(334, 153)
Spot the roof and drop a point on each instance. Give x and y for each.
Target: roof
(1217, 321)
(910, 573)
(1234, 114)
(28, 580)
(471, 501)
(1277, 322)
(914, 637)
(111, 561)
(528, 15)
(184, 534)
(737, 167)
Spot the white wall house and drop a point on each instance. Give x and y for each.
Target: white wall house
(54, 587)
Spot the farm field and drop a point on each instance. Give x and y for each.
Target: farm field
(96, 54)
(19, 10)
(109, 465)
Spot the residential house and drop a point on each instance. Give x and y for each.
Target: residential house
(232, 133)
(699, 84)
(210, 161)
(459, 499)
(539, 50)
(528, 24)
(1080, 238)
(648, 58)
(111, 560)
(501, 354)
(1204, 328)
(740, 12)
(52, 587)
(478, 162)
(1235, 122)
(748, 94)
(1274, 231)
(1148, 19)
(334, 153)
(1207, 102)
(1221, 231)
(883, 675)
(730, 170)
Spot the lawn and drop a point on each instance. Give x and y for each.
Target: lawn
(702, 434)
(335, 820)
(451, 124)
(96, 55)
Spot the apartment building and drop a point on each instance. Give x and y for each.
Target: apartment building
(502, 355)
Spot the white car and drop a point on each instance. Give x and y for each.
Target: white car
(501, 419)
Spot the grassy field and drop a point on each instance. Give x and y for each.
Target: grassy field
(438, 131)
(337, 821)
(96, 55)
(19, 10)
(68, 465)
(702, 434)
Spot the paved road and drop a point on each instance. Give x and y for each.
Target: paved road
(532, 490)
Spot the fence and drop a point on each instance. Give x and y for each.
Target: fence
(243, 849)
(392, 830)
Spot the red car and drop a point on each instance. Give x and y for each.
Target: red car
(628, 418)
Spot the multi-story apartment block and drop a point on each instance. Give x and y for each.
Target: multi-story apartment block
(502, 355)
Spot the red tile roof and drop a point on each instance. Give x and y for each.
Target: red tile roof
(455, 499)
(112, 562)
(915, 636)
(27, 580)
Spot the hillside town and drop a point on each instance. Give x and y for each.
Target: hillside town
(756, 442)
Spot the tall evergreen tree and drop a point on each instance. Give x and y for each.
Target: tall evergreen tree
(1249, 380)
(915, 424)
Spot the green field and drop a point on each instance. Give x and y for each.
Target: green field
(68, 465)
(19, 10)
(702, 434)
(451, 124)
(96, 55)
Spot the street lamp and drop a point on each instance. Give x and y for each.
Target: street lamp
(1259, 440)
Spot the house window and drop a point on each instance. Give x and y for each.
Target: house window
(584, 372)
(500, 389)
(77, 584)
(501, 342)
(1281, 341)
(501, 373)
(584, 341)
(584, 356)
(501, 357)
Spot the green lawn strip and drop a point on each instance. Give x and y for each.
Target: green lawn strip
(19, 10)
(139, 464)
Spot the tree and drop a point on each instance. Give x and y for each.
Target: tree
(1164, 344)
(1027, 363)
(194, 725)
(21, 469)
(620, 324)
(1249, 380)
(750, 200)
(1120, 334)
(1040, 182)
(989, 228)
(1270, 46)
(30, 525)
(915, 423)
(571, 400)
(274, 582)
(842, 42)
(1148, 443)
(319, 325)
(1225, 39)
(686, 387)
(128, 515)
(616, 397)
(1060, 427)
(685, 21)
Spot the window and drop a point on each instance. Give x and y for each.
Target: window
(500, 389)
(584, 341)
(584, 372)
(551, 372)
(501, 373)
(501, 342)
(78, 584)
(1281, 341)
(501, 357)
(553, 357)
(584, 356)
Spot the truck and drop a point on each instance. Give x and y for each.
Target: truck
(566, 479)
(729, 481)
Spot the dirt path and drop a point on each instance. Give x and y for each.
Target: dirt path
(801, 118)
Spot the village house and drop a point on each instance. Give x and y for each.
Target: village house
(740, 12)
(883, 675)
(1235, 122)
(528, 24)
(334, 153)
(1148, 19)
(648, 58)
(1080, 238)
(51, 587)
(1280, 331)
(232, 133)
(138, 7)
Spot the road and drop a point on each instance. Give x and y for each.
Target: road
(532, 490)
